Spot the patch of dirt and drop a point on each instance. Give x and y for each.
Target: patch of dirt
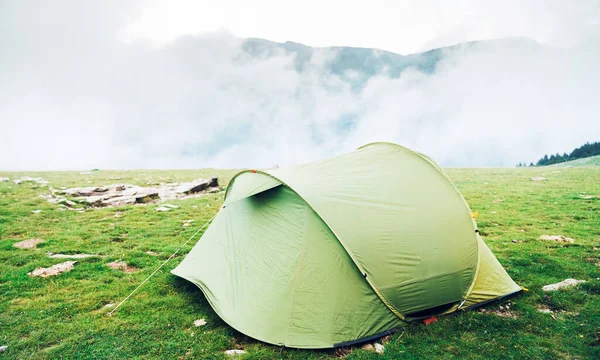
(558, 238)
(126, 194)
(53, 270)
(501, 310)
(563, 284)
(28, 244)
(122, 265)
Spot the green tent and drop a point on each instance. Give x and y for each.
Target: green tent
(342, 250)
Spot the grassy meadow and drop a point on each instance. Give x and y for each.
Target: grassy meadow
(65, 316)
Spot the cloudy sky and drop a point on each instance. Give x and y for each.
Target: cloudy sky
(166, 84)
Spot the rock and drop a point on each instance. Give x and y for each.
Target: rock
(171, 206)
(587, 197)
(379, 348)
(538, 178)
(234, 352)
(214, 190)
(368, 347)
(4, 179)
(187, 223)
(53, 270)
(146, 197)
(125, 194)
(152, 253)
(558, 238)
(122, 265)
(36, 211)
(198, 185)
(199, 322)
(28, 244)
(563, 284)
(67, 256)
(498, 201)
(163, 209)
(517, 241)
(3, 348)
(109, 305)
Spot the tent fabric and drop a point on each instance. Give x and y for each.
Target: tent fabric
(342, 249)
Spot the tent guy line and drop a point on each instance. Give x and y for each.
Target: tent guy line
(161, 265)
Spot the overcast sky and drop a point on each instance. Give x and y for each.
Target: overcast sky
(154, 84)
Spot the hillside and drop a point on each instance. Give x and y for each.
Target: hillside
(588, 161)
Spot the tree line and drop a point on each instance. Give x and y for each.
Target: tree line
(583, 151)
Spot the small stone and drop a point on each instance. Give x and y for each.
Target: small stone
(498, 201)
(517, 241)
(152, 253)
(558, 238)
(28, 244)
(538, 178)
(171, 206)
(563, 284)
(3, 348)
(379, 348)
(199, 322)
(368, 347)
(36, 211)
(234, 352)
(4, 179)
(163, 209)
(108, 306)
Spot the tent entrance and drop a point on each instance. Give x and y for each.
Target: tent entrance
(427, 313)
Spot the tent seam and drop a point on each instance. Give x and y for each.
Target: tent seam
(439, 170)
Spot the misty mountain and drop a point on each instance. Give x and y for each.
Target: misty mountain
(92, 100)
(358, 65)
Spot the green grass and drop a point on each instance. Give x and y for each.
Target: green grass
(63, 316)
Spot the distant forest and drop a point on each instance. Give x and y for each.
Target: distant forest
(584, 151)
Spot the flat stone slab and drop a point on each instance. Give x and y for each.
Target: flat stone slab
(53, 270)
(563, 284)
(70, 256)
(28, 244)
